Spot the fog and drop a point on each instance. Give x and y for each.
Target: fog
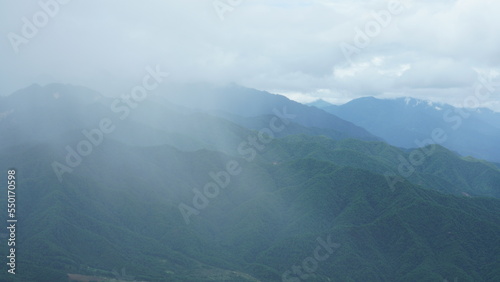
(429, 50)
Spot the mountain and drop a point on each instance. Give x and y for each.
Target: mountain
(440, 169)
(120, 210)
(410, 123)
(249, 103)
(320, 103)
(38, 114)
(180, 192)
(61, 108)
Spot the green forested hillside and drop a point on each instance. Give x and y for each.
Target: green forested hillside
(176, 194)
(439, 168)
(269, 218)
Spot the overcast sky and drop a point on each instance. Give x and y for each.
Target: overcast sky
(424, 49)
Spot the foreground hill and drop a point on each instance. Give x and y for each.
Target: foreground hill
(121, 209)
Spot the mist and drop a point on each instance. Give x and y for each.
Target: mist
(250, 140)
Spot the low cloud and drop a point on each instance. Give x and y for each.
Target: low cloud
(430, 50)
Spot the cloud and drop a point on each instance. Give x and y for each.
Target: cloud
(430, 49)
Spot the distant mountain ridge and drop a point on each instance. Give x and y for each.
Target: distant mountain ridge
(236, 103)
(406, 122)
(320, 103)
(249, 103)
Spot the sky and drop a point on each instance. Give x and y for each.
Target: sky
(336, 50)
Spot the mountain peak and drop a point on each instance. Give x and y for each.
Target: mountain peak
(320, 103)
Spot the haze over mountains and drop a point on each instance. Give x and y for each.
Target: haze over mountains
(205, 183)
(171, 141)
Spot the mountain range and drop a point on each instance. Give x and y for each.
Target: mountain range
(408, 122)
(205, 183)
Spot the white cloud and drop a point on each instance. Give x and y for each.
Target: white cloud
(292, 46)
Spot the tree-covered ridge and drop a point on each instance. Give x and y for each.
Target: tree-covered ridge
(307, 203)
(267, 220)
